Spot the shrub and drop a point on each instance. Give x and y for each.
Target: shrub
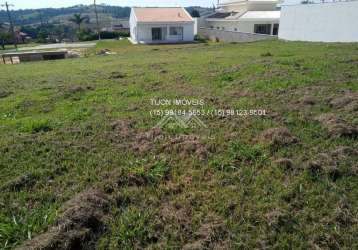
(200, 38)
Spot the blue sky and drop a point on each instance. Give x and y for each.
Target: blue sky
(26, 4)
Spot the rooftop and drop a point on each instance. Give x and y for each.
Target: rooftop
(250, 15)
(246, 16)
(161, 15)
(225, 2)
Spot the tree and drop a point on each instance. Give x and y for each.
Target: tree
(78, 19)
(195, 13)
(4, 36)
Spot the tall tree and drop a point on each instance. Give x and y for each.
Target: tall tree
(195, 13)
(78, 19)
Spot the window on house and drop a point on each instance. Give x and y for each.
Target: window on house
(218, 28)
(235, 29)
(176, 31)
(211, 27)
(275, 29)
(262, 29)
(223, 28)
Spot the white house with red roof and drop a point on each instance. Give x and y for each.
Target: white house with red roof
(161, 25)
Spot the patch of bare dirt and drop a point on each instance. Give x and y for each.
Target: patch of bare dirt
(343, 215)
(104, 52)
(175, 213)
(79, 89)
(308, 100)
(187, 145)
(336, 126)
(348, 102)
(124, 133)
(153, 86)
(26, 180)
(81, 221)
(285, 163)
(4, 94)
(155, 138)
(278, 218)
(271, 72)
(330, 162)
(123, 127)
(209, 234)
(145, 141)
(242, 93)
(117, 75)
(278, 137)
(71, 91)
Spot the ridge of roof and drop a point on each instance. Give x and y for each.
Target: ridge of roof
(161, 14)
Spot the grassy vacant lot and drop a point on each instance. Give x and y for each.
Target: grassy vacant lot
(81, 162)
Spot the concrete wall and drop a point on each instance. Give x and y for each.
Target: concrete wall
(325, 22)
(230, 36)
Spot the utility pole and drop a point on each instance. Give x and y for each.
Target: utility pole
(41, 19)
(11, 23)
(98, 29)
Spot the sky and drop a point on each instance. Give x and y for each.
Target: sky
(34, 4)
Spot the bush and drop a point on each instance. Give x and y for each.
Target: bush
(88, 35)
(200, 38)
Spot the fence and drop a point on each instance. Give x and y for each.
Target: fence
(232, 36)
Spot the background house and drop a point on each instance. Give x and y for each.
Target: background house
(161, 25)
(320, 22)
(250, 16)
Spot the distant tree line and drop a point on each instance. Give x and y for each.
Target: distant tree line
(36, 16)
(73, 23)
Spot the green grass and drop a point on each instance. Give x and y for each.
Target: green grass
(56, 128)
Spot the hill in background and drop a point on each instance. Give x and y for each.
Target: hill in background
(108, 14)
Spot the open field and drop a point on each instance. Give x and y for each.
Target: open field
(80, 160)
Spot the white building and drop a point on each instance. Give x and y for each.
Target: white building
(320, 22)
(161, 25)
(249, 16)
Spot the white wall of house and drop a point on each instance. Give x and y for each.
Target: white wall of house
(144, 32)
(243, 6)
(133, 27)
(241, 26)
(327, 22)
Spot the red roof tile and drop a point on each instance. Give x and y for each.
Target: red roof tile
(161, 15)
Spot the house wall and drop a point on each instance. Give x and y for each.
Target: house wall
(241, 26)
(262, 6)
(327, 22)
(250, 6)
(144, 32)
(133, 26)
(235, 7)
